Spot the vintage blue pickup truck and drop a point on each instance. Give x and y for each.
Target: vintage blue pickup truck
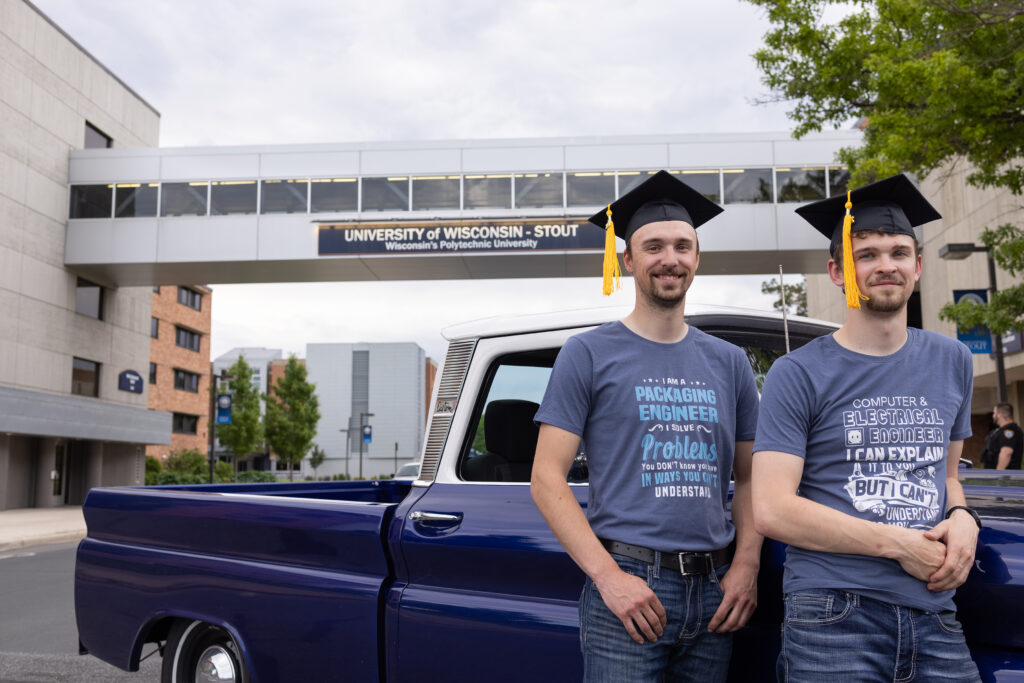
(452, 577)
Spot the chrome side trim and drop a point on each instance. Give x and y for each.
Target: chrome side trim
(453, 376)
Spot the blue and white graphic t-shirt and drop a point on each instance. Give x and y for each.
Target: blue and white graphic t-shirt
(659, 423)
(874, 433)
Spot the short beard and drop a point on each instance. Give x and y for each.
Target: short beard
(661, 301)
(885, 305)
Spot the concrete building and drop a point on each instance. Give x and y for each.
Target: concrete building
(74, 349)
(966, 211)
(179, 365)
(380, 385)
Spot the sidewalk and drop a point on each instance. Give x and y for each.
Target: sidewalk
(35, 526)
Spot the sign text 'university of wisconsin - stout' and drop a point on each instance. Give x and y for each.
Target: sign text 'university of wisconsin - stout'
(458, 236)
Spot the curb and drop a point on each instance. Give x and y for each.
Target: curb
(45, 539)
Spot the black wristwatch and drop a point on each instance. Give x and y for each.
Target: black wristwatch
(970, 511)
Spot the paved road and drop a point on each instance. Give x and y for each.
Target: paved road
(38, 636)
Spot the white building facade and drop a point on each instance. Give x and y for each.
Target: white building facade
(381, 385)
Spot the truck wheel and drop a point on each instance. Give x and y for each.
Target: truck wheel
(198, 652)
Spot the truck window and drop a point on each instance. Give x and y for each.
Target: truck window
(501, 447)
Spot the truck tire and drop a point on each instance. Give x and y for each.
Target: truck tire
(197, 652)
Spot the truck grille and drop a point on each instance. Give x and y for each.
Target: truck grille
(453, 375)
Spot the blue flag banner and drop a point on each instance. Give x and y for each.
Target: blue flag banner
(978, 339)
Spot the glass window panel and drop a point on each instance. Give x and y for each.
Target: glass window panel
(538, 190)
(838, 179)
(89, 299)
(705, 182)
(186, 381)
(182, 423)
(152, 373)
(800, 184)
(183, 199)
(629, 179)
(590, 189)
(186, 339)
(154, 328)
(487, 192)
(91, 201)
(190, 298)
(386, 194)
(283, 196)
(748, 186)
(334, 194)
(85, 376)
(135, 201)
(232, 197)
(96, 138)
(435, 192)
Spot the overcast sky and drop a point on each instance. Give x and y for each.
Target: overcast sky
(226, 72)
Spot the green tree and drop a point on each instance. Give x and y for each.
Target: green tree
(1005, 310)
(316, 458)
(245, 433)
(939, 82)
(796, 295)
(293, 412)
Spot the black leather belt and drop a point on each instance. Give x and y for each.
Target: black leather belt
(686, 563)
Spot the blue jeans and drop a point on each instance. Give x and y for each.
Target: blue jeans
(685, 651)
(838, 636)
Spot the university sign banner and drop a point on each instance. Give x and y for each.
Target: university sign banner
(542, 234)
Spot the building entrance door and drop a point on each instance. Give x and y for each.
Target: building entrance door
(77, 457)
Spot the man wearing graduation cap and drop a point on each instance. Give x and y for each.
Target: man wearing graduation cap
(855, 464)
(667, 414)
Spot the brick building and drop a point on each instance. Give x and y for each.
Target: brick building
(179, 365)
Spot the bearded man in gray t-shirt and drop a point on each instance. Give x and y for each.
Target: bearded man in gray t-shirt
(855, 464)
(668, 415)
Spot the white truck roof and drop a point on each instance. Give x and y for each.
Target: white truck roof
(560, 320)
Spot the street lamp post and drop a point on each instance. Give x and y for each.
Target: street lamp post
(361, 424)
(212, 419)
(958, 251)
(348, 442)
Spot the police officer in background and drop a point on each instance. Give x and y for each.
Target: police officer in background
(1005, 443)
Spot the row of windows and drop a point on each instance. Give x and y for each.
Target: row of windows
(183, 379)
(85, 378)
(450, 192)
(183, 337)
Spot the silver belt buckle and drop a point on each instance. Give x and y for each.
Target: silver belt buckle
(706, 569)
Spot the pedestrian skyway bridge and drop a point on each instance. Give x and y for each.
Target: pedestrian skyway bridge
(430, 210)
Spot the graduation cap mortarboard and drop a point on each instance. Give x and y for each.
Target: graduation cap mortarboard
(892, 205)
(662, 197)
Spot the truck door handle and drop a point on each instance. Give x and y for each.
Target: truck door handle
(434, 518)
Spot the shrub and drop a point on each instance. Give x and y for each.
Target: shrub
(254, 476)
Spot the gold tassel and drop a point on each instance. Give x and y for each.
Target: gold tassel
(612, 274)
(853, 295)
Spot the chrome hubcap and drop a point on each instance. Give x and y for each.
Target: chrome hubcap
(216, 666)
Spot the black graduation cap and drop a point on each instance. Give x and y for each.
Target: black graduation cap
(891, 205)
(662, 197)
